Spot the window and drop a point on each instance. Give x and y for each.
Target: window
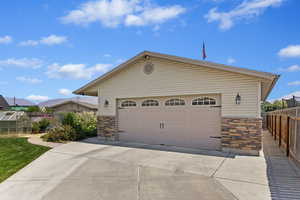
(204, 101)
(175, 102)
(150, 103)
(128, 104)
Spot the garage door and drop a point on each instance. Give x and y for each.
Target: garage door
(192, 122)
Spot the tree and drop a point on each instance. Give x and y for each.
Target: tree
(268, 106)
(33, 109)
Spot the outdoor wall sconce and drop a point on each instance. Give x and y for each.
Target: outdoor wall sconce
(106, 103)
(238, 99)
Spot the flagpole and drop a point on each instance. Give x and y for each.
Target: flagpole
(203, 51)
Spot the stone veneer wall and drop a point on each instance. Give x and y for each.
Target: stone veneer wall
(107, 127)
(242, 135)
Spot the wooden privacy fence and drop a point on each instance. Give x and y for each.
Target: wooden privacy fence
(284, 125)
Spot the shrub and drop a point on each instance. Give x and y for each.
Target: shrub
(33, 109)
(73, 127)
(60, 134)
(40, 126)
(86, 124)
(44, 123)
(69, 119)
(35, 127)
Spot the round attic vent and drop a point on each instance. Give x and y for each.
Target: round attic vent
(148, 68)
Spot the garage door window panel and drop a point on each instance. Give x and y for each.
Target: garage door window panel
(150, 103)
(204, 101)
(128, 104)
(175, 102)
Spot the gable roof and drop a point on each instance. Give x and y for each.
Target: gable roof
(269, 77)
(84, 104)
(3, 102)
(52, 102)
(12, 101)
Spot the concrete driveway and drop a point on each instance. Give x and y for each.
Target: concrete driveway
(83, 170)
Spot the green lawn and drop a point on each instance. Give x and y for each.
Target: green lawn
(15, 153)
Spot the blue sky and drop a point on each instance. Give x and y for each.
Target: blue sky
(49, 48)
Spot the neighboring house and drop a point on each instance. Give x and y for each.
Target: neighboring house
(74, 106)
(18, 104)
(52, 102)
(3, 103)
(292, 102)
(162, 99)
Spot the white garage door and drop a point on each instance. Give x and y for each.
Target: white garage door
(192, 122)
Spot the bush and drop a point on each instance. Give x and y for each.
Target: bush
(35, 127)
(33, 109)
(60, 134)
(40, 126)
(44, 123)
(69, 119)
(86, 124)
(73, 127)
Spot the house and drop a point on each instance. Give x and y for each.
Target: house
(156, 98)
(73, 106)
(292, 102)
(18, 104)
(3, 103)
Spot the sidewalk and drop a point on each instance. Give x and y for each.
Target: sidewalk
(283, 174)
(36, 139)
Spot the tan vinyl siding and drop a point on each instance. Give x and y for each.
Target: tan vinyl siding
(172, 78)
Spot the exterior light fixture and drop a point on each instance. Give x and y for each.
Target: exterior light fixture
(238, 99)
(106, 103)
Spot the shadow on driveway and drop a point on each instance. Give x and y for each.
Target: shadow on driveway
(167, 148)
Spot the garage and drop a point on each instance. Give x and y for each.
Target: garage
(190, 121)
(162, 99)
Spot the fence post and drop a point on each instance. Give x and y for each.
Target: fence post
(267, 121)
(279, 144)
(275, 130)
(295, 131)
(272, 125)
(288, 137)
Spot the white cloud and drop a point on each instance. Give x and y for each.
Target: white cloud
(22, 62)
(245, 10)
(6, 39)
(290, 51)
(64, 91)
(231, 60)
(29, 43)
(37, 98)
(28, 80)
(294, 83)
(157, 15)
(112, 13)
(53, 40)
(75, 71)
(293, 68)
(49, 40)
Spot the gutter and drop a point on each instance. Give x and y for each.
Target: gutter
(272, 86)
